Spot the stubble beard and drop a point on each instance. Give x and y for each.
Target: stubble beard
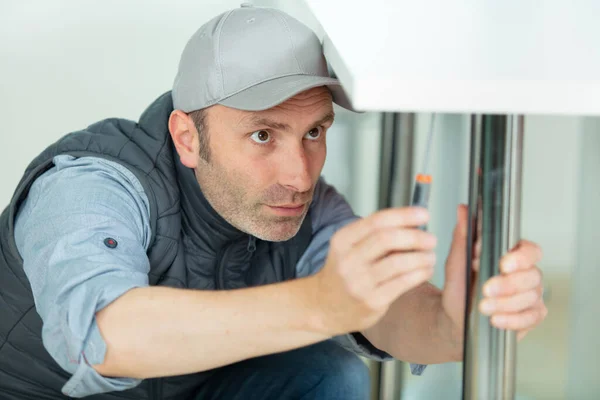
(238, 208)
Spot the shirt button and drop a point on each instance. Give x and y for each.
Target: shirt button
(110, 243)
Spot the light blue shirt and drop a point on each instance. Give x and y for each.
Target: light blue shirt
(59, 231)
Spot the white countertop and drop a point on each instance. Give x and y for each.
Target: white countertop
(486, 56)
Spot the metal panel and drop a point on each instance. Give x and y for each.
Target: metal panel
(494, 211)
(395, 177)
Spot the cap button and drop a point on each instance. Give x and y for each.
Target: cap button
(247, 5)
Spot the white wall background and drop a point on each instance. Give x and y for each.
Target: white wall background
(65, 64)
(68, 63)
(584, 351)
(550, 187)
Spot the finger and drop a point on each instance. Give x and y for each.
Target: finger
(401, 263)
(389, 218)
(520, 321)
(516, 282)
(392, 289)
(523, 256)
(384, 242)
(510, 304)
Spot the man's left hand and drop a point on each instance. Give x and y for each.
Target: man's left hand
(513, 299)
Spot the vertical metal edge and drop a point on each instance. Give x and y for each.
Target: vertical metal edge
(503, 356)
(375, 376)
(470, 327)
(385, 180)
(404, 169)
(386, 159)
(377, 373)
(486, 337)
(396, 173)
(513, 217)
(494, 206)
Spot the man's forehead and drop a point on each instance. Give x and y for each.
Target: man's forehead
(280, 120)
(313, 106)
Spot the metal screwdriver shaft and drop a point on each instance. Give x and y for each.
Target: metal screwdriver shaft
(423, 179)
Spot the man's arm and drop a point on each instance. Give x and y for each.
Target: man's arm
(101, 317)
(415, 330)
(60, 232)
(159, 331)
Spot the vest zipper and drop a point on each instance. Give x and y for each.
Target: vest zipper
(219, 276)
(251, 244)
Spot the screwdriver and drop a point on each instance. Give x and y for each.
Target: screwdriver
(420, 197)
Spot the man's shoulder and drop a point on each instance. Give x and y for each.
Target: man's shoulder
(75, 191)
(69, 170)
(323, 192)
(87, 182)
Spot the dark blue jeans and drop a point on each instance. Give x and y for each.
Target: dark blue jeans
(320, 371)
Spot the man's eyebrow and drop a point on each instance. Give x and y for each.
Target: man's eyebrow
(329, 117)
(264, 121)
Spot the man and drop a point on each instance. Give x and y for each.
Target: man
(196, 254)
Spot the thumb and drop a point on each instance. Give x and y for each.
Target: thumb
(457, 258)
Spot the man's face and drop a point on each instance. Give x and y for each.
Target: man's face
(264, 165)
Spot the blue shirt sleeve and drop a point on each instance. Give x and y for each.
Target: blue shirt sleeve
(330, 212)
(82, 232)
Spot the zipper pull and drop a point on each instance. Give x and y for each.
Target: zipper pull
(251, 244)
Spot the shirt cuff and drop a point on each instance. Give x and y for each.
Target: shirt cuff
(357, 343)
(86, 380)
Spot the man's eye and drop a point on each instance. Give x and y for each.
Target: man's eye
(314, 133)
(261, 137)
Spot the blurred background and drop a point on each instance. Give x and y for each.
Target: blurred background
(65, 64)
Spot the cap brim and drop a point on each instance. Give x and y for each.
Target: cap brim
(265, 95)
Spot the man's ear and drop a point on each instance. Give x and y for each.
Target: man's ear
(185, 138)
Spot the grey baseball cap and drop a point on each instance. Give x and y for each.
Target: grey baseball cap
(251, 58)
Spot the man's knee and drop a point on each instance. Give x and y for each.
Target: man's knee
(323, 371)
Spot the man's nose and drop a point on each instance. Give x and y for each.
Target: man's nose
(295, 172)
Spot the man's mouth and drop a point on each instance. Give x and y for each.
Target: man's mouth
(290, 206)
(288, 209)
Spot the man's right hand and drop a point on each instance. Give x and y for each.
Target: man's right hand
(372, 262)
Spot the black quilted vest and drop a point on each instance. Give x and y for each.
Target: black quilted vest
(191, 247)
